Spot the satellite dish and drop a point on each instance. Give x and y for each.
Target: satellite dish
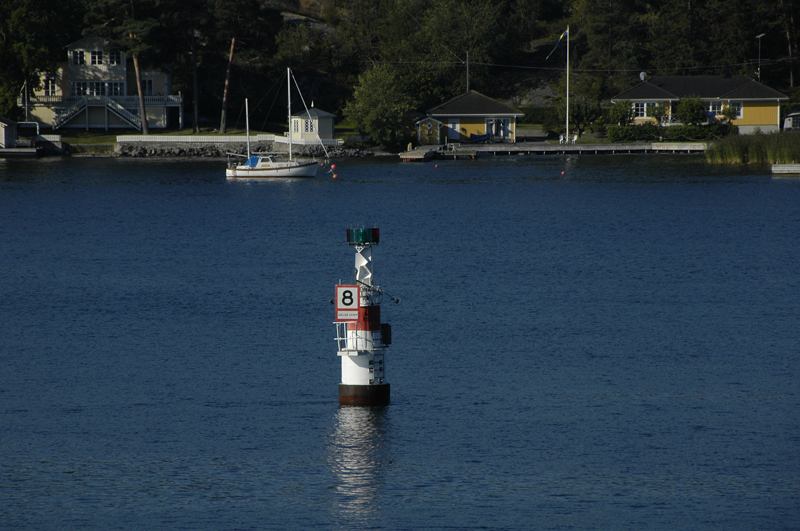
(642, 75)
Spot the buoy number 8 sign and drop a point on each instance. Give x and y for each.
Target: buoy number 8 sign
(347, 298)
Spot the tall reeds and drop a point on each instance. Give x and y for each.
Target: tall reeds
(780, 148)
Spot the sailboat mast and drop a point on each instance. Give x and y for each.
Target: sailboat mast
(566, 133)
(247, 126)
(289, 100)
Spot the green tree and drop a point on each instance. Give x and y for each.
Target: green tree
(691, 111)
(583, 111)
(658, 112)
(234, 19)
(730, 113)
(32, 36)
(616, 32)
(621, 113)
(379, 107)
(438, 43)
(130, 25)
(185, 26)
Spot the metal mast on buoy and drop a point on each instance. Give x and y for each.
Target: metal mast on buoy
(361, 337)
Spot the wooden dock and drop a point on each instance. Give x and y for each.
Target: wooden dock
(786, 169)
(471, 151)
(418, 155)
(20, 152)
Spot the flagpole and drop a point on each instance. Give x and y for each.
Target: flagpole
(566, 132)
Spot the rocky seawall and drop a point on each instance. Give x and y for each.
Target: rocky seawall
(193, 149)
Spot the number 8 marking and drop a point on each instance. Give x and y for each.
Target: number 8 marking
(347, 298)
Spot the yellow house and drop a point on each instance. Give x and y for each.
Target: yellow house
(757, 106)
(96, 88)
(469, 117)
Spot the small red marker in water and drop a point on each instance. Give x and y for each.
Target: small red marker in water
(333, 166)
(335, 176)
(436, 166)
(563, 172)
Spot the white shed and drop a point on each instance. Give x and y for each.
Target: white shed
(8, 133)
(312, 125)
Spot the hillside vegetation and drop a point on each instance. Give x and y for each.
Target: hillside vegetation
(415, 53)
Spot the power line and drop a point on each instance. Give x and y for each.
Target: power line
(584, 70)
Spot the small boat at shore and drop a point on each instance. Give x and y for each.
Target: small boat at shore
(265, 165)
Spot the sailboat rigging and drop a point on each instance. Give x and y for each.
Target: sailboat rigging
(265, 165)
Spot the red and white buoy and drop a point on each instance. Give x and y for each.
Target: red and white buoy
(360, 335)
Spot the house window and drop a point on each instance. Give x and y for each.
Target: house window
(639, 110)
(97, 57)
(79, 88)
(50, 87)
(115, 88)
(97, 88)
(147, 87)
(78, 57)
(736, 106)
(114, 58)
(715, 109)
(309, 125)
(295, 126)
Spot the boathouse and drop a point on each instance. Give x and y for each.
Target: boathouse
(757, 106)
(469, 117)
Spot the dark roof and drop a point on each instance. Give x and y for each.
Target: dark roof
(473, 104)
(90, 41)
(313, 111)
(706, 87)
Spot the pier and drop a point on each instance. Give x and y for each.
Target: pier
(472, 151)
(20, 152)
(786, 169)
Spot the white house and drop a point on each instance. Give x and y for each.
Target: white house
(312, 124)
(96, 88)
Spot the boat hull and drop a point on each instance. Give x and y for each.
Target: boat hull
(280, 170)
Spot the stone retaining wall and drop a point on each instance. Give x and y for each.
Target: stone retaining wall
(174, 149)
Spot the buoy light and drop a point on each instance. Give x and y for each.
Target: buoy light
(363, 236)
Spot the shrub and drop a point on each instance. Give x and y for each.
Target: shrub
(633, 133)
(621, 113)
(691, 111)
(679, 133)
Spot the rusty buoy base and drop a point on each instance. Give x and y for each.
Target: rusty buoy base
(364, 395)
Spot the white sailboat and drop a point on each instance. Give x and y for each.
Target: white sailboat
(265, 165)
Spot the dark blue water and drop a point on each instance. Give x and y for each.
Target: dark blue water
(614, 347)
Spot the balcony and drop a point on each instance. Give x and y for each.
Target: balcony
(125, 101)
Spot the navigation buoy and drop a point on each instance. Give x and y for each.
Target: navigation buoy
(335, 176)
(360, 336)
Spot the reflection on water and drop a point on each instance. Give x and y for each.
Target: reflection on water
(359, 454)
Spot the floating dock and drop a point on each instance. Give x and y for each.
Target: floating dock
(471, 151)
(786, 169)
(20, 152)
